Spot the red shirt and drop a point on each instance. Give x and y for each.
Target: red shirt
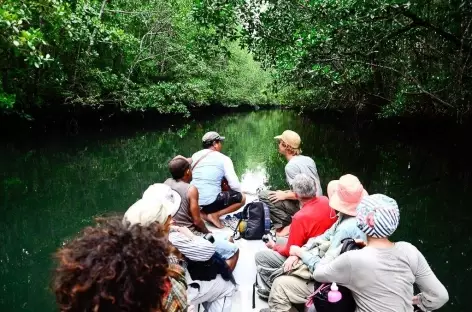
(311, 220)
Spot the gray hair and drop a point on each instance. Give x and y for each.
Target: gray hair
(304, 186)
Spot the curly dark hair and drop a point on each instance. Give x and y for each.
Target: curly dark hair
(110, 267)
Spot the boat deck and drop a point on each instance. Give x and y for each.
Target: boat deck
(245, 271)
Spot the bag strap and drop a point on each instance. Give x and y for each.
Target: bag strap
(236, 234)
(349, 244)
(201, 159)
(266, 218)
(311, 298)
(254, 293)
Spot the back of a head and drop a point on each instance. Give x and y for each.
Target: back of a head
(158, 203)
(378, 216)
(291, 141)
(211, 137)
(304, 186)
(207, 144)
(178, 167)
(106, 268)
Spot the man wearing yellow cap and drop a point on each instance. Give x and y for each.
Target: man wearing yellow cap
(284, 204)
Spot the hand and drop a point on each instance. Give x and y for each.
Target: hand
(270, 244)
(185, 231)
(277, 196)
(295, 251)
(290, 263)
(415, 300)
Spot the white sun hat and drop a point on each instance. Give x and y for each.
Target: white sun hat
(159, 202)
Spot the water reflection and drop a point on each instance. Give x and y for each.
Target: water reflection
(253, 180)
(52, 189)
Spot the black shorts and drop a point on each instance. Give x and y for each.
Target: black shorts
(222, 201)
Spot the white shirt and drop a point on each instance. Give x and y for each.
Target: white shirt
(209, 172)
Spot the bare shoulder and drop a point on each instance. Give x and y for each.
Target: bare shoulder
(192, 191)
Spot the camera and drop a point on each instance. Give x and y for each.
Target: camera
(266, 238)
(209, 237)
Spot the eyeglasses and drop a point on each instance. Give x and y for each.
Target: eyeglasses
(283, 144)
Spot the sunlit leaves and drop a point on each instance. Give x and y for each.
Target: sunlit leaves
(129, 54)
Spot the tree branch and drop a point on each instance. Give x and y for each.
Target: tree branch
(392, 35)
(421, 22)
(92, 37)
(411, 78)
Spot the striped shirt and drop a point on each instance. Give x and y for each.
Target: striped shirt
(195, 249)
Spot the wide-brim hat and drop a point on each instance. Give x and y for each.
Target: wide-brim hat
(162, 193)
(345, 194)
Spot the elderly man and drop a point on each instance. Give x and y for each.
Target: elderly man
(283, 204)
(344, 196)
(210, 167)
(313, 219)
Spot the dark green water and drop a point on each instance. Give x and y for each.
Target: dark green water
(51, 189)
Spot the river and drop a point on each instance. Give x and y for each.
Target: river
(52, 188)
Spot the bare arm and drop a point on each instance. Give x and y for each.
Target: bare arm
(275, 196)
(195, 210)
(290, 195)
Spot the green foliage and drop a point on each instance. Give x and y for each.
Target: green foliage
(6, 100)
(134, 55)
(393, 57)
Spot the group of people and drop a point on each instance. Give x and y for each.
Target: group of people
(161, 256)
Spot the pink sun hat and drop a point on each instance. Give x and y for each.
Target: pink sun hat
(345, 194)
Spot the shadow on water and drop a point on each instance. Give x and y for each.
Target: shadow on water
(51, 189)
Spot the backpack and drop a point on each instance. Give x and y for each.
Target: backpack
(320, 297)
(254, 222)
(208, 270)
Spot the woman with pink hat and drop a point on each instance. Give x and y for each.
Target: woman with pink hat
(344, 196)
(381, 276)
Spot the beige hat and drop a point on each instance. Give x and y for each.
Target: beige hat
(158, 203)
(291, 138)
